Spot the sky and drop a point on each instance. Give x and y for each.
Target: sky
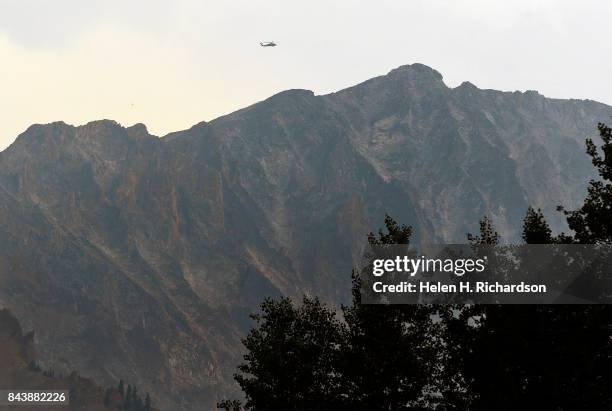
(171, 64)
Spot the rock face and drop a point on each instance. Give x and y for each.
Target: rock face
(139, 257)
(19, 370)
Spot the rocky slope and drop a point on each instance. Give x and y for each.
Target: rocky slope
(139, 257)
(20, 371)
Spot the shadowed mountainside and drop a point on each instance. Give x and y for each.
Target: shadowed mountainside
(20, 371)
(140, 257)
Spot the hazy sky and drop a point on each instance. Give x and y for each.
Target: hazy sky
(170, 64)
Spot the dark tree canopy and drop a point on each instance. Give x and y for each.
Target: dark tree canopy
(391, 350)
(592, 223)
(488, 235)
(303, 358)
(292, 357)
(535, 228)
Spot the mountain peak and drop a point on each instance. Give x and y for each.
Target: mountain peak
(103, 126)
(295, 93)
(138, 130)
(39, 134)
(416, 71)
(467, 85)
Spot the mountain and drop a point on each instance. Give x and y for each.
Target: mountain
(20, 370)
(140, 258)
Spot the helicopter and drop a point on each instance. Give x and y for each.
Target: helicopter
(268, 44)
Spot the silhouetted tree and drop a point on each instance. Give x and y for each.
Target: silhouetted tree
(390, 351)
(33, 366)
(592, 223)
(303, 358)
(136, 400)
(538, 356)
(107, 394)
(291, 357)
(127, 401)
(467, 347)
(535, 228)
(147, 403)
(487, 236)
(230, 405)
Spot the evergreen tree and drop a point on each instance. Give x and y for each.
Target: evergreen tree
(291, 357)
(390, 350)
(468, 347)
(147, 403)
(396, 233)
(127, 401)
(230, 405)
(107, 397)
(121, 388)
(592, 223)
(33, 366)
(303, 358)
(531, 356)
(535, 228)
(488, 235)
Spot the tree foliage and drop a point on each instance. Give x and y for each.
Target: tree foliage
(292, 356)
(535, 228)
(304, 358)
(592, 223)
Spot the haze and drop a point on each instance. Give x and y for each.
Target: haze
(173, 64)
